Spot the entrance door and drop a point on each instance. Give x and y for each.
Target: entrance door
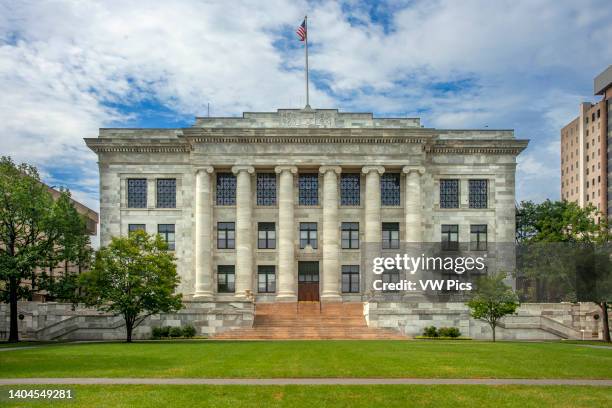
(308, 281)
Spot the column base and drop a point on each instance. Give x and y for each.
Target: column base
(331, 297)
(204, 295)
(286, 297)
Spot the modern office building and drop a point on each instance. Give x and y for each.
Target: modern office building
(585, 154)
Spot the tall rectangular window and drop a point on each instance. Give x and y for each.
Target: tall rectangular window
(137, 193)
(350, 235)
(350, 278)
(266, 235)
(350, 189)
(449, 193)
(166, 193)
(226, 189)
(167, 233)
(226, 279)
(450, 237)
(390, 189)
(266, 189)
(390, 276)
(478, 237)
(266, 279)
(308, 186)
(308, 234)
(478, 193)
(226, 235)
(390, 235)
(136, 227)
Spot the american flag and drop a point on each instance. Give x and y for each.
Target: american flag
(301, 31)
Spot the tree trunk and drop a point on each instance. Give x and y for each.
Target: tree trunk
(493, 328)
(604, 317)
(129, 326)
(14, 329)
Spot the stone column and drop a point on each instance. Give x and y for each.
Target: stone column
(203, 235)
(286, 235)
(244, 232)
(331, 234)
(373, 227)
(412, 204)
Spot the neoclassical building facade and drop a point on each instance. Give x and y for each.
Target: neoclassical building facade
(279, 206)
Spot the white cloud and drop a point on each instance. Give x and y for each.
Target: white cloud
(65, 67)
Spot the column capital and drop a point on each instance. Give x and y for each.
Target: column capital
(367, 169)
(238, 169)
(207, 169)
(325, 169)
(280, 169)
(418, 169)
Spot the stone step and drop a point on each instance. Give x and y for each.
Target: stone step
(309, 320)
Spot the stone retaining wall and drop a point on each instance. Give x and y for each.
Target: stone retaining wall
(60, 321)
(533, 321)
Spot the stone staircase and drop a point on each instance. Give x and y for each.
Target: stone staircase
(309, 321)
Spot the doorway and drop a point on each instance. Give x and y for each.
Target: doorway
(308, 281)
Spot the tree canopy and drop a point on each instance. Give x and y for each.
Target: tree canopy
(492, 300)
(36, 231)
(133, 276)
(564, 254)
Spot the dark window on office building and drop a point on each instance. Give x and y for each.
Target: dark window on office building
(226, 279)
(450, 237)
(266, 235)
(266, 279)
(226, 189)
(349, 189)
(390, 235)
(478, 237)
(478, 193)
(308, 234)
(350, 278)
(136, 227)
(390, 276)
(137, 193)
(390, 189)
(350, 235)
(449, 193)
(266, 189)
(308, 185)
(226, 235)
(167, 233)
(166, 193)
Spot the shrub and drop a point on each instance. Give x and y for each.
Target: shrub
(449, 332)
(430, 331)
(176, 332)
(189, 331)
(164, 331)
(157, 332)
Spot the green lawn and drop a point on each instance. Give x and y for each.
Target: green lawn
(438, 359)
(325, 396)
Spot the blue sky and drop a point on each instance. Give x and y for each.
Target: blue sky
(68, 68)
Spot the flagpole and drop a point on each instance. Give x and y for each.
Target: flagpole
(306, 51)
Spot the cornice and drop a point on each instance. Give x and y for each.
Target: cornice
(101, 145)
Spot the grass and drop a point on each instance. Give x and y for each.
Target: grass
(323, 396)
(435, 359)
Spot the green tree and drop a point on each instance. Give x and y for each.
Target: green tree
(36, 231)
(565, 252)
(492, 300)
(133, 276)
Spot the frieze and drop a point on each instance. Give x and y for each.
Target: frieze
(307, 119)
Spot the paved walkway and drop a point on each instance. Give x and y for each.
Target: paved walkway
(302, 381)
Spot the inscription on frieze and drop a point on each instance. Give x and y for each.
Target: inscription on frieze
(308, 119)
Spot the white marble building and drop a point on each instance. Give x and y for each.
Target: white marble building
(279, 205)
